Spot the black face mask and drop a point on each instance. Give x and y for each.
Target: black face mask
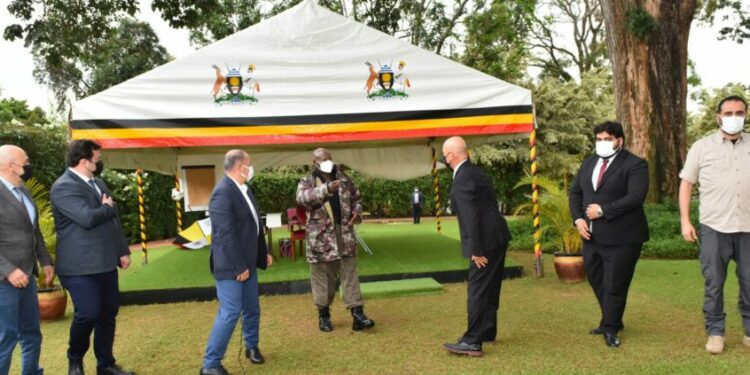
(28, 172)
(99, 168)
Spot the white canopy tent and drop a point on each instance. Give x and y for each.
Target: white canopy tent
(303, 79)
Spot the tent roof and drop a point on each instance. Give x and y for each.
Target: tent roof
(304, 79)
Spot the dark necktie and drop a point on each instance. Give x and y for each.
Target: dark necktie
(19, 196)
(601, 173)
(93, 186)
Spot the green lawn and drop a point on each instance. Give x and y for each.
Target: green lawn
(543, 330)
(397, 248)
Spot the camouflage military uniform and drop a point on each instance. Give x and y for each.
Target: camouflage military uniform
(331, 248)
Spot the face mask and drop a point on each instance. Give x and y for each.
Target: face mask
(732, 124)
(28, 172)
(250, 173)
(605, 149)
(99, 168)
(326, 166)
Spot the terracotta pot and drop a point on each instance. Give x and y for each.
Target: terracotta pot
(569, 267)
(52, 302)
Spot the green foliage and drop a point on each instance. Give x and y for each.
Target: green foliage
(495, 40)
(40, 195)
(14, 111)
(65, 36)
(45, 147)
(705, 122)
(666, 234)
(210, 20)
(131, 49)
(664, 229)
(739, 28)
(161, 221)
(641, 23)
(554, 211)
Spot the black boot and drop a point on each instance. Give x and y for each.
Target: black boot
(361, 321)
(324, 319)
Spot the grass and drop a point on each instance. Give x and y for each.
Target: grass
(543, 330)
(397, 247)
(399, 288)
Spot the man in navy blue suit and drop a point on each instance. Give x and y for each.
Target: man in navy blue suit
(238, 249)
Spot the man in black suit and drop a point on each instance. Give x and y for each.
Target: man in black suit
(90, 246)
(238, 250)
(606, 202)
(484, 240)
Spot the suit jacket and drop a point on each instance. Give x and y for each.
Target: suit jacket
(21, 241)
(621, 195)
(90, 238)
(236, 242)
(483, 229)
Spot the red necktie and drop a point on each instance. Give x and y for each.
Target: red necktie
(601, 173)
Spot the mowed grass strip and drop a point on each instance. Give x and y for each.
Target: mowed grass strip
(396, 288)
(543, 330)
(398, 247)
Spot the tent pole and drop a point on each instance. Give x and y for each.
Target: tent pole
(538, 265)
(142, 213)
(436, 187)
(178, 204)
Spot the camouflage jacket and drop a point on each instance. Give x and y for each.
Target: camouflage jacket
(321, 230)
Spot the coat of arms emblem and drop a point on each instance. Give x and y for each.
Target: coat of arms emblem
(229, 88)
(392, 82)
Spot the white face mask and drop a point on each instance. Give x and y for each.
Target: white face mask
(326, 166)
(250, 173)
(732, 124)
(605, 149)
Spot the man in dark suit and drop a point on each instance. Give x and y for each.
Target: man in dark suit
(90, 246)
(21, 245)
(416, 204)
(484, 240)
(238, 250)
(606, 202)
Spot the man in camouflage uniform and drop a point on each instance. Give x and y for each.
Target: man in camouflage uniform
(332, 204)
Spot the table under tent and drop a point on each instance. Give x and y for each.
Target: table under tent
(305, 78)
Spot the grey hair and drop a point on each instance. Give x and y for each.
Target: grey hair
(233, 157)
(320, 153)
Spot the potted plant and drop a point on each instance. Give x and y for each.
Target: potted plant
(554, 213)
(52, 299)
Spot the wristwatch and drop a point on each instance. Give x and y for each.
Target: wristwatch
(600, 212)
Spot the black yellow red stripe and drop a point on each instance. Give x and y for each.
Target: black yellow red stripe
(341, 132)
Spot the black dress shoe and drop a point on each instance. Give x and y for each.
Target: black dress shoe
(75, 368)
(473, 350)
(214, 371)
(113, 370)
(599, 331)
(254, 355)
(611, 339)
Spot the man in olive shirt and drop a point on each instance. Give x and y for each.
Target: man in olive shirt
(720, 163)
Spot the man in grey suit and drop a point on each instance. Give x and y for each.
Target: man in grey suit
(21, 245)
(90, 246)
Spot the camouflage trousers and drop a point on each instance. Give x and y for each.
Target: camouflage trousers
(324, 277)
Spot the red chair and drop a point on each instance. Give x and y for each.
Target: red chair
(297, 222)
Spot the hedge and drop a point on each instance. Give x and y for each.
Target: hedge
(664, 229)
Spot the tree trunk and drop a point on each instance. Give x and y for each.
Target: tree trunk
(650, 76)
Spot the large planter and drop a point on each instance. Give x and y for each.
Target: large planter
(569, 267)
(52, 302)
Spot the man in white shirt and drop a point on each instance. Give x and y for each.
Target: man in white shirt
(238, 250)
